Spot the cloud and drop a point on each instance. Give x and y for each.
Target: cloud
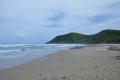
(57, 17)
(52, 25)
(100, 18)
(114, 5)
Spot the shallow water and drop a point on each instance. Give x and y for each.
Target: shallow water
(16, 54)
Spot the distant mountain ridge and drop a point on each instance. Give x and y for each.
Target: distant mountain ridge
(105, 36)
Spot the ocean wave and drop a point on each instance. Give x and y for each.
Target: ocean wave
(12, 51)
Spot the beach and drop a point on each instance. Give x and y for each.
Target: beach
(96, 62)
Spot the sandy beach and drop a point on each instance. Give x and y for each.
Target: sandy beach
(89, 63)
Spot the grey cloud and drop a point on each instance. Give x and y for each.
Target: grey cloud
(57, 17)
(100, 18)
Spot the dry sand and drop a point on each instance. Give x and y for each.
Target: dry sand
(89, 63)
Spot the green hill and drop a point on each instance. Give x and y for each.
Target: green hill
(105, 36)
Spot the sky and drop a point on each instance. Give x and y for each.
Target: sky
(38, 21)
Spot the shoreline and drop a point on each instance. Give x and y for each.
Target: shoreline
(12, 59)
(92, 63)
(27, 60)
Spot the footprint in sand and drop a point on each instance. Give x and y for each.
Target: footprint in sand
(95, 67)
(54, 78)
(40, 74)
(44, 79)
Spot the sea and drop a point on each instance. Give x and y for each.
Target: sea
(12, 55)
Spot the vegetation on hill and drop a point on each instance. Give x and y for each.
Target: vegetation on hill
(105, 36)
